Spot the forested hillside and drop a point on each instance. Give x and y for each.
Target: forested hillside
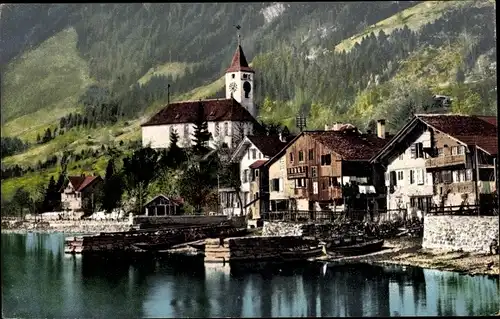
(77, 80)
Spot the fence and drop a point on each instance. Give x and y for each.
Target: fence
(470, 210)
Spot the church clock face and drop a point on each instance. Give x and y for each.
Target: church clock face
(233, 87)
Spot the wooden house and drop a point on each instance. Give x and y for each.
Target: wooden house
(330, 168)
(162, 205)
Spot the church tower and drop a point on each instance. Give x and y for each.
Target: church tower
(239, 81)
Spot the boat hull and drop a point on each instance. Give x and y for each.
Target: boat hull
(359, 249)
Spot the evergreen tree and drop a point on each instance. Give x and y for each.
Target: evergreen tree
(201, 136)
(111, 191)
(38, 138)
(50, 195)
(175, 153)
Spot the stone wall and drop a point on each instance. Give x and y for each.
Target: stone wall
(282, 229)
(468, 233)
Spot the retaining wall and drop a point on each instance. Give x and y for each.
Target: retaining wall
(282, 229)
(467, 233)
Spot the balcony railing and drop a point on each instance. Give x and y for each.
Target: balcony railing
(443, 161)
(297, 172)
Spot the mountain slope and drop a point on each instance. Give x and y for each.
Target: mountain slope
(111, 64)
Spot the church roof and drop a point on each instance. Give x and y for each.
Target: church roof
(213, 110)
(239, 62)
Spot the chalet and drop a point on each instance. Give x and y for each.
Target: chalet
(78, 193)
(281, 189)
(440, 160)
(326, 165)
(162, 205)
(229, 119)
(249, 156)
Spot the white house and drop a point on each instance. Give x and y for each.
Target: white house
(228, 119)
(250, 150)
(429, 163)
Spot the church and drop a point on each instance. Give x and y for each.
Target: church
(229, 120)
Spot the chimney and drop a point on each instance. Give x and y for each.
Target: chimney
(381, 128)
(282, 137)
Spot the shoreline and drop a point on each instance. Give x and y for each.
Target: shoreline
(399, 251)
(409, 252)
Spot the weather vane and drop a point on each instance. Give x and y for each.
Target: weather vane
(238, 27)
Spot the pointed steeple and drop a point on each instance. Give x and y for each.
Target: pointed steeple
(239, 62)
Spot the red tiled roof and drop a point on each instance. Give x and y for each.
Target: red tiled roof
(489, 119)
(257, 163)
(239, 62)
(268, 145)
(350, 145)
(213, 110)
(81, 182)
(468, 129)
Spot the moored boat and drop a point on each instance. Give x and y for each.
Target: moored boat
(358, 248)
(302, 254)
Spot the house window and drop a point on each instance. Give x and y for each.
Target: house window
(314, 171)
(417, 150)
(311, 155)
(468, 174)
(446, 177)
(260, 155)
(301, 156)
(412, 176)
(461, 175)
(326, 160)
(460, 150)
(275, 185)
(401, 156)
(226, 129)
(186, 130)
(254, 154)
(440, 151)
(392, 178)
(454, 150)
(245, 176)
(217, 129)
(300, 182)
(248, 154)
(400, 175)
(256, 173)
(291, 157)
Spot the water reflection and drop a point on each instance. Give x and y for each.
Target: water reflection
(38, 280)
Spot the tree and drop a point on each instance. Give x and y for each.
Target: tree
(139, 170)
(201, 135)
(175, 153)
(22, 200)
(51, 195)
(195, 187)
(111, 190)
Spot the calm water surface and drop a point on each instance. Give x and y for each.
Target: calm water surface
(38, 280)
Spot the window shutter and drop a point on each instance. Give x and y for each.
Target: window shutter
(420, 177)
(413, 151)
(281, 186)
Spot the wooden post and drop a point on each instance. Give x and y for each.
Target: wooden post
(476, 180)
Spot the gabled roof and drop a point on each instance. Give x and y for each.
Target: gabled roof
(79, 183)
(350, 146)
(175, 201)
(257, 163)
(239, 62)
(213, 110)
(268, 145)
(467, 129)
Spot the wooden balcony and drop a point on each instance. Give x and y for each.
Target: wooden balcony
(297, 172)
(331, 193)
(444, 161)
(460, 188)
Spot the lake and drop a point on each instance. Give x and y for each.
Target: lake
(39, 280)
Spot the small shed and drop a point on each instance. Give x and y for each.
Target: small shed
(161, 205)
